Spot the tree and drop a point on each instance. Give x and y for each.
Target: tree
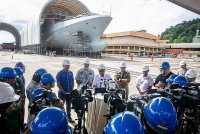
(181, 33)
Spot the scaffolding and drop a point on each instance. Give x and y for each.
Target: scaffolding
(79, 46)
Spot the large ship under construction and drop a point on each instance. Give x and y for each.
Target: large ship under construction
(65, 25)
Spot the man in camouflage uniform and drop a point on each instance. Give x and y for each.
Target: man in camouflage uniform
(123, 78)
(34, 84)
(85, 75)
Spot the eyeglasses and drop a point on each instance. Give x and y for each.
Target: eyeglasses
(101, 70)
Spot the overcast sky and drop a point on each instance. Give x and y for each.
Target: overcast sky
(128, 15)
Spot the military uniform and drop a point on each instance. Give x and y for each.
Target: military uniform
(32, 86)
(85, 76)
(123, 75)
(15, 118)
(20, 90)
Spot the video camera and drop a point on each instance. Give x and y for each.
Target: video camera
(42, 101)
(114, 98)
(81, 97)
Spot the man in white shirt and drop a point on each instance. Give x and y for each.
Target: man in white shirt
(144, 82)
(101, 79)
(183, 68)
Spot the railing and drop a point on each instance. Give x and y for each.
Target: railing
(60, 16)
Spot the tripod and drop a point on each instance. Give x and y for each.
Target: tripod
(79, 129)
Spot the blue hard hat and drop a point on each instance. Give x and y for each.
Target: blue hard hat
(0, 74)
(41, 71)
(164, 65)
(124, 123)
(18, 71)
(160, 115)
(47, 78)
(8, 72)
(51, 120)
(38, 91)
(171, 78)
(180, 80)
(20, 65)
(35, 93)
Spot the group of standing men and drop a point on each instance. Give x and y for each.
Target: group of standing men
(42, 80)
(86, 76)
(144, 83)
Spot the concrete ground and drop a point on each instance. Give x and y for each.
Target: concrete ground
(54, 64)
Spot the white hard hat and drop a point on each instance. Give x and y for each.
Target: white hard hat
(86, 60)
(66, 62)
(145, 68)
(7, 93)
(122, 64)
(101, 66)
(182, 63)
(191, 73)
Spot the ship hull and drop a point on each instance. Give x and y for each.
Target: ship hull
(66, 35)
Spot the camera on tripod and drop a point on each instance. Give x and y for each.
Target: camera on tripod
(114, 98)
(81, 97)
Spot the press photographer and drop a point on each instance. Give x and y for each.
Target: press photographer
(42, 98)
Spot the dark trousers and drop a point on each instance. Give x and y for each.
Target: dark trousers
(127, 93)
(66, 98)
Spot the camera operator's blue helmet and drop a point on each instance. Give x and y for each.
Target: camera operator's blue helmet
(47, 78)
(18, 71)
(20, 65)
(36, 92)
(41, 71)
(8, 72)
(124, 123)
(171, 78)
(164, 65)
(51, 120)
(181, 80)
(160, 115)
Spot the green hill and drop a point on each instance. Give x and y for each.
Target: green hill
(183, 32)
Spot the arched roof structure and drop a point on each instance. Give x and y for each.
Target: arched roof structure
(72, 7)
(31, 34)
(11, 29)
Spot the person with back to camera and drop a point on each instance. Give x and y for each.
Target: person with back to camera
(7, 99)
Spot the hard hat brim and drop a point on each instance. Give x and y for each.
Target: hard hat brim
(66, 64)
(15, 98)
